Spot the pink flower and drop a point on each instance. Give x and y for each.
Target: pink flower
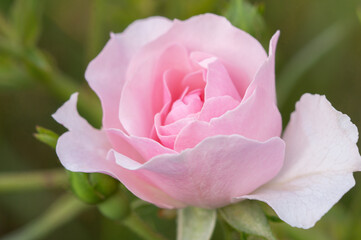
(190, 118)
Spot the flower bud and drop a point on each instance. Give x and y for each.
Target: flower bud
(92, 188)
(116, 207)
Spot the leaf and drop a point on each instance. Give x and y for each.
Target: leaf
(195, 223)
(46, 136)
(26, 19)
(248, 217)
(246, 16)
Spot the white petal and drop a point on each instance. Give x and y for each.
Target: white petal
(321, 155)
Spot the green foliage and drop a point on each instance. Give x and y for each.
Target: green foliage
(92, 188)
(246, 16)
(116, 207)
(26, 19)
(46, 136)
(247, 217)
(195, 223)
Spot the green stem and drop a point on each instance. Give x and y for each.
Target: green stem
(136, 224)
(63, 210)
(11, 182)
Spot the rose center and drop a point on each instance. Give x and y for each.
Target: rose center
(187, 106)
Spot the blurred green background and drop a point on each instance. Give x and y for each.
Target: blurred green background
(46, 45)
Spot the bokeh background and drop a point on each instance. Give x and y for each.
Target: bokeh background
(45, 47)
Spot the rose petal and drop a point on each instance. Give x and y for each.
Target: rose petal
(218, 82)
(248, 120)
(85, 149)
(265, 77)
(142, 94)
(216, 107)
(106, 73)
(242, 164)
(146, 147)
(321, 154)
(81, 138)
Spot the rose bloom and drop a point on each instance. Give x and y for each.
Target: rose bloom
(190, 119)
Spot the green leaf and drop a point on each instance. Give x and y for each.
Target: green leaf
(246, 16)
(46, 136)
(248, 217)
(26, 19)
(195, 223)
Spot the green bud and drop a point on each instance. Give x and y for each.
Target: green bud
(46, 136)
(92, 188)
(116, 207)
(104, 184)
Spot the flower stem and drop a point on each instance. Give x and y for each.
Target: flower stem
(135, 223)
(64, 209)
(11, 182)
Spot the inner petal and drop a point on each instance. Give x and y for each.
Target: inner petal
(218, 81)
(187, 106)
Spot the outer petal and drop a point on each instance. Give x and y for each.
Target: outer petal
(142, 95)
(146, 147)
(106, 73)
(74, 147)
(215, 171)
(321, 154)
(85, 149)
(265, 77)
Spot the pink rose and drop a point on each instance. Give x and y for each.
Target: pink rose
(190, 118)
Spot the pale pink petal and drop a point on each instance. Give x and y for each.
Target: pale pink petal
(140, 185)
(194, 80)
(321, 155)
(265, 77)
(142, 95)
(241, 54)
(216, 107)
(106, 73)
(225, 167)
(172, 88)
(82, 139)
(218, 82)
(256, 118)
(146, 147)
(85, 149)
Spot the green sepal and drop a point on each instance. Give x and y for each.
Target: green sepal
(247, 217)
(195, 223)
(46, 136)
(92, 188)
(116, 207)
